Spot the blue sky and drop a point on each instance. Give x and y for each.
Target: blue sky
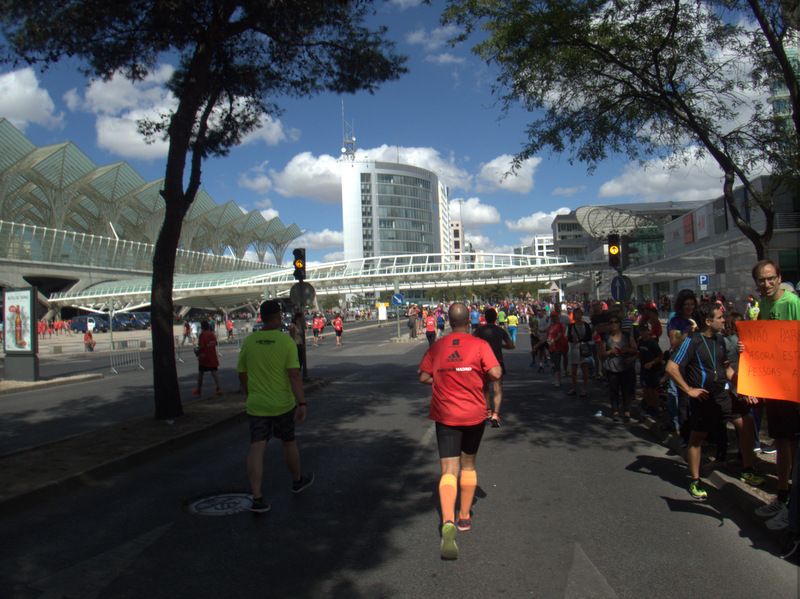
(440, 116)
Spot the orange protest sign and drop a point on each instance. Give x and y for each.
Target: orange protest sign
(770, 363)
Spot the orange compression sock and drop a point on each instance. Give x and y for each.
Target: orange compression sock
(469, 481)
(447, 497)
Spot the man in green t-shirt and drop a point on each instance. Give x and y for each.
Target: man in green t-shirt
(269, 371)
(783, 417)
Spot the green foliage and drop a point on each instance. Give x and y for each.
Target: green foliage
(645, 78)
(330, 302)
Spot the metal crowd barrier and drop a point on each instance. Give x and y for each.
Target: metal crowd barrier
(178, 349)
(128, 357)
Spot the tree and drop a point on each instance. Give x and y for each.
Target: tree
(236, 59)
(642, 78)
(330, 302)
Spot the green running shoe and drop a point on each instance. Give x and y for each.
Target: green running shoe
(449, 547)
(696, 490)
(751, 478)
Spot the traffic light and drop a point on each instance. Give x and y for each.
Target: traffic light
(598, 278)
(628, 253)
(299, 263)
(614, 251)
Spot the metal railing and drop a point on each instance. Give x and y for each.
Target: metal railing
(121, 358)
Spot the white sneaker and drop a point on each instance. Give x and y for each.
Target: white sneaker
(771, 509)
(557, 384)
(780, 520)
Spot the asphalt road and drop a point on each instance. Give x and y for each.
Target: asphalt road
(45, 414)
(569, 505)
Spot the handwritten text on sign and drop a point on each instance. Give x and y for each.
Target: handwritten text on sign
(770, 363)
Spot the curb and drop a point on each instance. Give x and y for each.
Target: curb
(734, 491)
(28, 385)
(91, 476)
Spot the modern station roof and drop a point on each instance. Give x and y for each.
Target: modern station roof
(625, 219)
(60, 187)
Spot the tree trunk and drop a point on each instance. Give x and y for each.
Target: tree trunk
(165, 374)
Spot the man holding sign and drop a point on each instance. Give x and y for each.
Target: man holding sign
(783, 417)
(701, 360)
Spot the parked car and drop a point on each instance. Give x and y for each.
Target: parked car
(137, 320)
(80, 324)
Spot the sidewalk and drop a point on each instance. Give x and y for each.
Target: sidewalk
(44, 472)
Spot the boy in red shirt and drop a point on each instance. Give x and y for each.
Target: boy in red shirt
(207, 358)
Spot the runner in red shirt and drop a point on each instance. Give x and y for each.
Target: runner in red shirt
(456, 366)
(337, 326)
(317, 325)
(559, 346)
(207, 358)
(430, 328)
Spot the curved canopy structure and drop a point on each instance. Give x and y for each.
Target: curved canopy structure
(60, 187)
(626, 219)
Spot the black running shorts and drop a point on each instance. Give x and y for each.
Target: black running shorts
(455, 440)
(719, 406)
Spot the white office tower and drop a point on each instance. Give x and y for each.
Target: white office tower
(391, 208)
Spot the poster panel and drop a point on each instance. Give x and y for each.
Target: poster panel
(18, 322)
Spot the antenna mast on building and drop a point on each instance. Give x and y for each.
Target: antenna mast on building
(348, 139)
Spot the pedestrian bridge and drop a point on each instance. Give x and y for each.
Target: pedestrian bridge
(360, 276)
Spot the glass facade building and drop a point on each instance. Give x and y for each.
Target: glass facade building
(391, 208)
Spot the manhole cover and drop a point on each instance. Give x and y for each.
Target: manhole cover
(220, 505)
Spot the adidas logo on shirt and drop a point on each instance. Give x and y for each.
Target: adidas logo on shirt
(454, 357)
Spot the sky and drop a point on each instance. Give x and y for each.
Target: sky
(440, 116)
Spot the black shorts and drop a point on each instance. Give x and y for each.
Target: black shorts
(440, 327)
(262, 428)
(317, 332)
(338, 333)
(455, 440)
(534, 340)
(207, 368)
(651, 379)
(783, 419)
(720, 406)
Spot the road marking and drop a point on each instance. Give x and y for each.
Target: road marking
(89, 578)
(584, 580)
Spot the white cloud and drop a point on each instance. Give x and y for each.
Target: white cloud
(692, 179)
(119, 103)
(269, 213)
(120, 135)
(568, 191)
(271, 132)
(306, 175)
(427, 158)
(538, 223)
(433, 39)
(485, 244)
(119, 94)
(494, 175)
(445, 58)
(22, 101)
(256, 179)
(319, 177)
(334, 257)
(474, 213)
(322, 240)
